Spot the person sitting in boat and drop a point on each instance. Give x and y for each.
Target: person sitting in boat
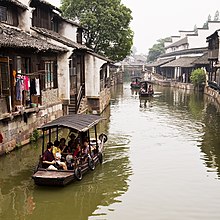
(63, 146)
(69, 160)
(150, 90)
(48, 158)
(57, 155)
(77, 152)
(142, 89)
(72, 142)
(56, 148)
(85, 149)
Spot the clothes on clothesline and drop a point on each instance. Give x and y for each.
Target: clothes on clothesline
(19, 82)
(24, 83)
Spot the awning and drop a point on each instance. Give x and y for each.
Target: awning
(78, 122)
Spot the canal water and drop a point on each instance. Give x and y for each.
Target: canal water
(161, 162)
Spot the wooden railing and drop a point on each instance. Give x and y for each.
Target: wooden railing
(79, 96)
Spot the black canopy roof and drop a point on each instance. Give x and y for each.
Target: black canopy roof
(78, 122)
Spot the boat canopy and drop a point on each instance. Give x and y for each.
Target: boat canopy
(78, 122)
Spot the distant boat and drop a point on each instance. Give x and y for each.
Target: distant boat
(136, 82)
(146, 89)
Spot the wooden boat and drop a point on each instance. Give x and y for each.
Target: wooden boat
(146, 89)
(82, 125)
(135, 82)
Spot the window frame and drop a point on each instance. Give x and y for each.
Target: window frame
(4, 81)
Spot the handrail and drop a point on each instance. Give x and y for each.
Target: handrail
(80, 96)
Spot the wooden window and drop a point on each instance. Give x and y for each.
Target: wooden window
(49, 72)
(3, 13)
(4, 77)
(41, 18)
(55, 25)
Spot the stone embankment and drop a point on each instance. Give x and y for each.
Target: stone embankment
(213, 94)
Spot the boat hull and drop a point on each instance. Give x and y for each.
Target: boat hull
(59, 177)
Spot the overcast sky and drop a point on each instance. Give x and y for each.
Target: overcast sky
(156, 19)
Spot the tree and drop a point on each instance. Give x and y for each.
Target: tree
(198, 77)
(106, 25)
(157, 50)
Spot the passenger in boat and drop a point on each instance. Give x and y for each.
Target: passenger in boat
(48, 157)
(56, 148)
(85, 149)
(59, 162)
(150, 90)
(69, 160)
(142, 89)
(77, 152)
(63, 146)
(57, 155)
(72, 142)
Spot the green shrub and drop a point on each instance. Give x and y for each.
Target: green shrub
(198, 77)
(34, 136)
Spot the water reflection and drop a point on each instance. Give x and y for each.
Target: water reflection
(157, 155)
(21, 199)
(16, 195)
(211, 140)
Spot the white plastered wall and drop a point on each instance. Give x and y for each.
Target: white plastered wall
(63, 75)
(25, 17)
(68, 30)
(92, 75)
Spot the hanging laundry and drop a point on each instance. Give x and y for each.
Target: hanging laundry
(26, 83)
(19, 83)
(33, 90)
(37, 83)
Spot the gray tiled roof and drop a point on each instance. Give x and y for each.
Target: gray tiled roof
(56, 36)
(202, 59)
(159, 62)
(181, 62)
(15, 38)
(185, 52)
(34, 2)
(179, 42)
(16, 2)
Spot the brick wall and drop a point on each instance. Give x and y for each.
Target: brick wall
(16, 131)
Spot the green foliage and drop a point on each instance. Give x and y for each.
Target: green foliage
(34, 136)
(198, 77)
(157, 50)
(106, 24)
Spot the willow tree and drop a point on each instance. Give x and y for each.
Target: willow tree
(106, 25)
